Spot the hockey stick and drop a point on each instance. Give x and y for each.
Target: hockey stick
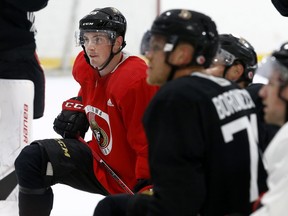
(108, 168)
(7, 185)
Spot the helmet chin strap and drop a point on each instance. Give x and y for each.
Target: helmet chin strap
(108, 60)
(86, 56)
(112, 56)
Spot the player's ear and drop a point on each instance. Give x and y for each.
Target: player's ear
(182, 54)
(238, 71)
(118, 43)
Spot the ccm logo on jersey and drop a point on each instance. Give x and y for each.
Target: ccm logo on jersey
(73, 106)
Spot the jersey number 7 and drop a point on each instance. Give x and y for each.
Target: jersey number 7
(236, 126)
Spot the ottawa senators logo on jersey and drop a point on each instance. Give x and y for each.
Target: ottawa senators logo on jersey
(100, 126)
(99, 134)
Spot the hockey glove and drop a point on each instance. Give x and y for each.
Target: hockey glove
(72, 121)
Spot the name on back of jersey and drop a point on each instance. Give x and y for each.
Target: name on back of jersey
(231, 102)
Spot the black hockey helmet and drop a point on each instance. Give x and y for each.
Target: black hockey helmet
(179, 25)
(108, 18)
(276, 62)
(282, 54)
(242, 51)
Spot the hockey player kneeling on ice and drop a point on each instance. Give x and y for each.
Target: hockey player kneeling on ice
(111, 101)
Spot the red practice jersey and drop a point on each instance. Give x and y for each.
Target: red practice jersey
(114, 106)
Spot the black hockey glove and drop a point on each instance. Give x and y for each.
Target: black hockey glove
(72, 121)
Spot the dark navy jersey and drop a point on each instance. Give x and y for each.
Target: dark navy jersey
(17, 23)
(203, 152)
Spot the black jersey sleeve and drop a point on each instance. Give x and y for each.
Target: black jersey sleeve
(175, 147)
(29, 5)
(203, 152)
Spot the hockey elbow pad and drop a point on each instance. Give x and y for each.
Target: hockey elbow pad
(72, 121)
